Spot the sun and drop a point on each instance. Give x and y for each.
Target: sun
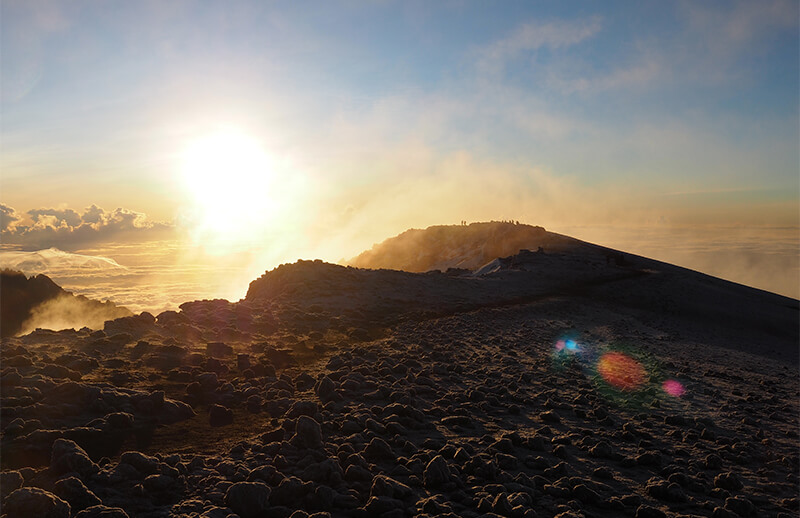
(228, 177)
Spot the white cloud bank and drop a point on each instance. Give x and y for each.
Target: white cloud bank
(66, 228)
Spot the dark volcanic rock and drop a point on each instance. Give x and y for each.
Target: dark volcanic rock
(290, 491)
(308, 433)
(101, 511)
(219, 349)
(35, 502)
(436, 473)
(385, 486)
(10, 481)
(248, 499)
(21, 295)
(144, 464)
(454, 401)
(68, 456)
(76, 494)
(378, 450)
(728, 481)
(663, 490)
(326, 390)
(219, 415)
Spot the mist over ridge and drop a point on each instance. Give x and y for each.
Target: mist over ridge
(35, 302)
(453, 246)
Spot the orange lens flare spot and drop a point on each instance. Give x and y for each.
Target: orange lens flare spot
(621, 371)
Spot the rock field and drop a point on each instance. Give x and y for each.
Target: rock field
(557, 384)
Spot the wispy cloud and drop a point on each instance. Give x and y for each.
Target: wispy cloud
(532, 36)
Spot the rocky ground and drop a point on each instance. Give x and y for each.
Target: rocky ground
(553, 385)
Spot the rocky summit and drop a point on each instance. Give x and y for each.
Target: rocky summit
(563, 381)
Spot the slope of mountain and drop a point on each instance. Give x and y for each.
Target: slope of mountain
(37, 301)
(575, 381)
(456, 246)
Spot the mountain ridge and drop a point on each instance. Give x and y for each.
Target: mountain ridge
(37, 301)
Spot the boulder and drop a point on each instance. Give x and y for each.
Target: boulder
(67, 456)
(121, 420)
(326, 390)
(142, 463)
(308, 433)
(174, 411)
(33, 501)
(248, 499)
(386, 486)
(436, 473)
(10, 481)
(378, 449)
(76, 494)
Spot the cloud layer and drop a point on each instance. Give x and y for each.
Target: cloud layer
(69, 230)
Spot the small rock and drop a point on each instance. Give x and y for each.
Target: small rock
(299, 408)
(721, 512)
(585, 495)
(436, 472)
(290, 491)
(741, 506)
(550, 417)
(500, 505)
(378, 505)
(142, 463)
(159, 483)
(386, 486)
(664, 490)
(355, 473)
(728, 481)
(219, 415)
(275, 435)
(650, 458)
(326, 389)
(248, 499)
(712, 461)
(308, 433)
(101, 511)
(378, 449)
(603, 472)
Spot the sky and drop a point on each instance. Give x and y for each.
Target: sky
(278, 130)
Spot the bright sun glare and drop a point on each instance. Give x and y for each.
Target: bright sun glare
(229, 177)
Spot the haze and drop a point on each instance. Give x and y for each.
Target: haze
(198, 144)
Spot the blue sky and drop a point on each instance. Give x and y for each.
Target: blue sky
(387, 115)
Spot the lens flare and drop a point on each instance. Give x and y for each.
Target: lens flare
(621, 371)
(674, 388)
(567, 345)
